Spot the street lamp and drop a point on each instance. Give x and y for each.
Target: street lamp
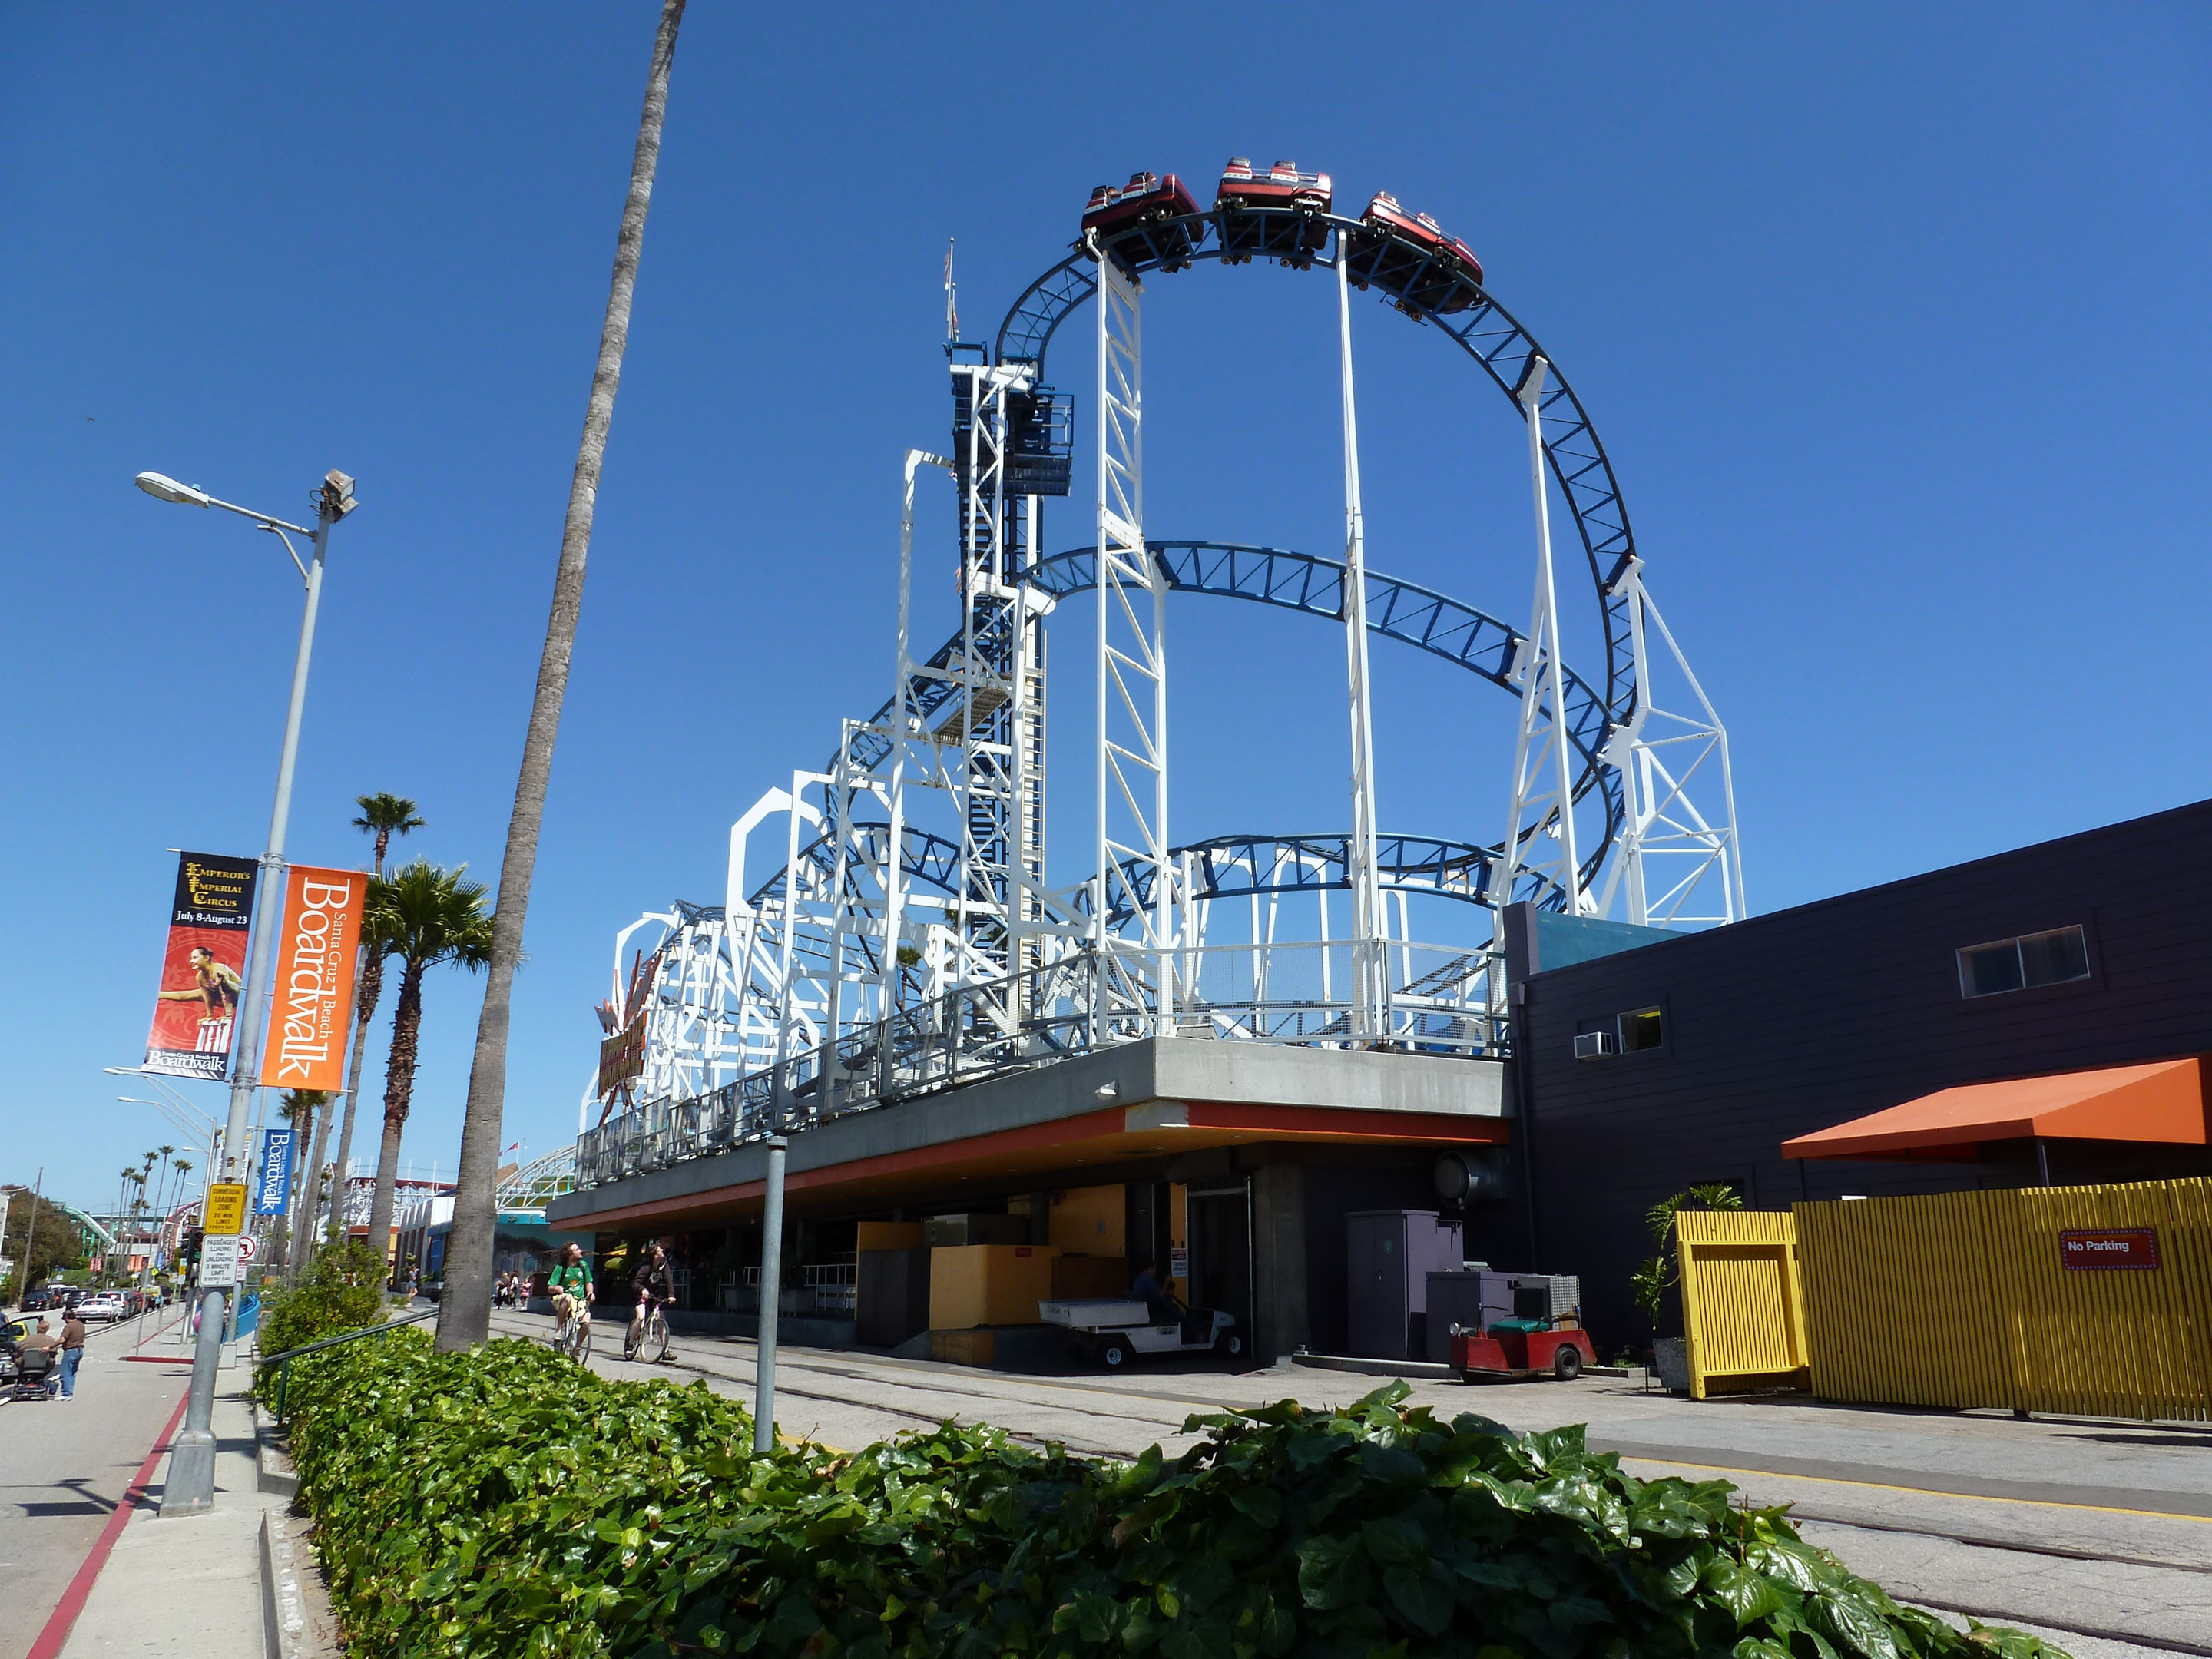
(191, 1489)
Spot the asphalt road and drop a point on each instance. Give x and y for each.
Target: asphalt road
(64, 1465)
(2097, 1533)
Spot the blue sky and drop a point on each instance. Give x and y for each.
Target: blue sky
(1890, 319)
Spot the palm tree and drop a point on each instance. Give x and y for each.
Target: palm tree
(125, 1209)
(430, 916)
(294, 1105)
(383, 815)
(464, 1312)
(161, 1181)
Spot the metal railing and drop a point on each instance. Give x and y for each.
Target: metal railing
(832, 1287)
(1435, 1000)
(282, 1359)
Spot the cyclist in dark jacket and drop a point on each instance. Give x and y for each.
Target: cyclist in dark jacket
(653, 1281)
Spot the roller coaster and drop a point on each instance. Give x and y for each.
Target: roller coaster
(908, 939)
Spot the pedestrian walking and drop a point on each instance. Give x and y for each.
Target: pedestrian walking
(72, 1351)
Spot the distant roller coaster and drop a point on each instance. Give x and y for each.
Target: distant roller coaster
(887, 955)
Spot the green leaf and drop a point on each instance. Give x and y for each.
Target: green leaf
(1422, 1596)
(1393, 1542)
(1747, 1595)
(1332, 1573)
(1852, 1621)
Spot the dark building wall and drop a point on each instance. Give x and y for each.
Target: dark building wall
(1795, 1021)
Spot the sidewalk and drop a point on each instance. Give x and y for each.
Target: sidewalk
(191, 1587)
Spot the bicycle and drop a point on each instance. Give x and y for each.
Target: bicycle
(572, 1336)
(652, 1338)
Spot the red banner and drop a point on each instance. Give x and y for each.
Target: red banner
(203, 970)
(313, 996)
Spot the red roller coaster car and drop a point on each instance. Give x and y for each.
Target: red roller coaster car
(1409, 256)
(1276, 235)
(1136, 221)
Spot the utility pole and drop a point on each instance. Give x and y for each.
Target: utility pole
(191, 1488)
(771, 1299)
(31, 1234)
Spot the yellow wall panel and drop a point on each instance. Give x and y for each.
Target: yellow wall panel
(972, 1285)
(1090, 1220)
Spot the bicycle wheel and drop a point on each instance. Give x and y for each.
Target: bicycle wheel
(580, 1343)
(656, 1338)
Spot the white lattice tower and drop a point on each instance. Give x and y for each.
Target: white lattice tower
(1133, 865)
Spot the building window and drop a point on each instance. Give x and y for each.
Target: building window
(1640, 1028)
(2023, 963)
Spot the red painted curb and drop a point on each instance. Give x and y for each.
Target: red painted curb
(49, 1645)
(184, 1361)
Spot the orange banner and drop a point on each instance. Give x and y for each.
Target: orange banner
(314, 1000)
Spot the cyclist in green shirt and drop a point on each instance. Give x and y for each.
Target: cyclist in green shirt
(571, 1285)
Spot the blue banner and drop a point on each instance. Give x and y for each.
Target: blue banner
(276, 1171)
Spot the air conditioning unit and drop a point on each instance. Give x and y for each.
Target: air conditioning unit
(1594, 1045)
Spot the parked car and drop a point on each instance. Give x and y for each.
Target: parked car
(1409, 256)
(1150, 219)
(103, 1308)
(1288, 228)
(41, 1297)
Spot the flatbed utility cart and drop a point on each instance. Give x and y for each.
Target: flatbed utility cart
(1110, 1331)
(1518, 1350)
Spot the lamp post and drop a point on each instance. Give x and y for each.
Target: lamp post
(190, 1488)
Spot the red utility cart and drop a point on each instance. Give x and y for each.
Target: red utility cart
(1510, 1350)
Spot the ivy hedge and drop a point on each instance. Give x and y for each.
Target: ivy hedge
(505, 1502)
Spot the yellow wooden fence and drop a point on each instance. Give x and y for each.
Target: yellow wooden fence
(1963, 1299)
(1743, 1312)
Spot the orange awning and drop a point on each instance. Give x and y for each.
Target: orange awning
(2162, 1102)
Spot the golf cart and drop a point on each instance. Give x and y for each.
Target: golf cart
(1112, 1331)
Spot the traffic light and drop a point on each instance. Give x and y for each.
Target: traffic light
(188, 1249)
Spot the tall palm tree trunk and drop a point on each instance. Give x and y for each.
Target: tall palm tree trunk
(464, 1311)
(399, 1096)
(307, 1190)
(369, 987)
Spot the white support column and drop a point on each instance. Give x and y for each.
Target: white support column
(1372, 1018)
(1542, 804)
(1131, 679)
(908, 742)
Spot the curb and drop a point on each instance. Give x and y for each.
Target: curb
(273, 1465)
(1424, 1369)
(283, 1616)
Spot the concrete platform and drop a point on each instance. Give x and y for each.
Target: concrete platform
(1159, 1097)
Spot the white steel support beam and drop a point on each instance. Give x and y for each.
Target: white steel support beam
(1676, 865)
(1372, 1018)
(909, 745)
(1542, 807)
(1132, 670)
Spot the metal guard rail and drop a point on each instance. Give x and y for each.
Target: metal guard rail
(283, 1359)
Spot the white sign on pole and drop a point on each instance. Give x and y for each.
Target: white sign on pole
(219, 1261)
(245, 1247)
